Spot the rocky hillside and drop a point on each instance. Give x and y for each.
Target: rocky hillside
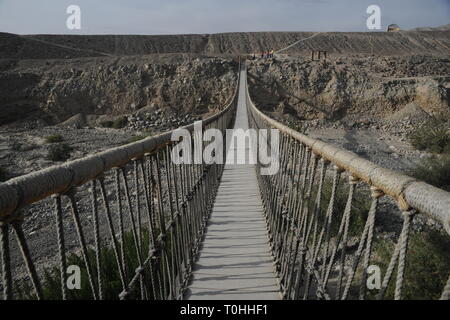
(351, 87)
(366, 105)
(18, 47)
(445, 27)
(337, 43)
(52, 91)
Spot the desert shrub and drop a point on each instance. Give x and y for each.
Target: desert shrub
(435, 171)
(107, 124)
(135, 138)
(16, 146)
(427, 264)
(360, 206)
(3, 174)
(55, 138)
(120, 122)
(297, 126)
(59, 152)
(428, 257)
(112, 287)
(432, 136)
(139, 137)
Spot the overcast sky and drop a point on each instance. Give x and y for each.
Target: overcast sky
(213, 16)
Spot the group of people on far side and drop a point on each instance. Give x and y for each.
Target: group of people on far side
(265, 54)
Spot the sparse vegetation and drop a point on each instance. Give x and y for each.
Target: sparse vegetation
(433, 136)
(107, 124)
(117, 123)
(135, 139)
(428, 257)
(112, 286)
(3, 174)
(120, 122)
(360, 206)
(427, 264)
(16, 146)
(59, 152)
(331, 89)
(55, 138)
(138, 137)
(297, 126)
(435, 171)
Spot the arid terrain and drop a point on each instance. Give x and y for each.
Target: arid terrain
(379, 43)
(90, 93)
(81, 98)
(365, 104)
(79, 85)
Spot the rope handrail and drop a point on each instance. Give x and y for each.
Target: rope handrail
(133, 205)
(35, 186)
(407, 191)
(141, 201)
(310, 225)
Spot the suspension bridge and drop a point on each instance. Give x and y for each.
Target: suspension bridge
(159, 230)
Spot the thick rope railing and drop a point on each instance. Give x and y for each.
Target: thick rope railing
(132, 216)
(310, 234)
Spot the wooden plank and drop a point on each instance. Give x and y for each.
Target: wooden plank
(235, 261)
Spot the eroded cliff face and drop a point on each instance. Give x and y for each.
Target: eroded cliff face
(342, 88)
(52, 91)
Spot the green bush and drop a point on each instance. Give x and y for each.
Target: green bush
(3, 174)
(432, 136)
(107, 124)
(16, 146)
(59, 152)
(360, 206)
(427, 265)
(139, 137)
(435, 171)
(135, 139)
(120, 122)
(55, 138)
(112, 287)
(297, 126)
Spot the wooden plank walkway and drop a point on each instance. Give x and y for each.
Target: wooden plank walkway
(235, 261)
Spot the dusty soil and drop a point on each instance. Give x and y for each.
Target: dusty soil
(22, 152)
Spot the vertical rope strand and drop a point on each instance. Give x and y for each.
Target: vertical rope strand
(61, 246)
(6, 262)
(28, 260)
(97, 242)
(84, 251)
(407, 216)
